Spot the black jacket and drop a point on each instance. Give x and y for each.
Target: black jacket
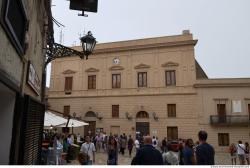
(147, 155)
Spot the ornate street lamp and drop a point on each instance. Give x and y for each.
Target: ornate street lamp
(88, 44)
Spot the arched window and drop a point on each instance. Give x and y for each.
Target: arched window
(90, 114)
(142, 114)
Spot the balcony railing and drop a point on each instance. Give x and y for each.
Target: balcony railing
(240, 120)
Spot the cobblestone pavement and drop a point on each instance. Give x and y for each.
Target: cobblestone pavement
(101, 159)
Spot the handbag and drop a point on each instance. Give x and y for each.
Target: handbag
(111, 161)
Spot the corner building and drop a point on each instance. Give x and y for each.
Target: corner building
(153, 86)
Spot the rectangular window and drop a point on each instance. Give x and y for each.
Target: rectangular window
(15, 23)
(66, 111)
(223, 139)
(236, 106)
(170, 78)
(92, 82)
(68, 84)
(142, 79)
(115, 111)
(172, 133)
(171, 110)
(116, 80)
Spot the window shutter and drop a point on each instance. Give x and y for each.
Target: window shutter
(142, 79)
(92, 82)
(68, 83)
(115, 111)
(118, 81)
(170, 78)
(66, 111)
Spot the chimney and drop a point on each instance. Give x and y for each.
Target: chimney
(185, 32)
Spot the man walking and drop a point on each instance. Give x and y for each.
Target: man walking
(147, 155)
(241, 152)
(204, 151)
(89, 148)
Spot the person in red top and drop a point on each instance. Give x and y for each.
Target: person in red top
(233, 153)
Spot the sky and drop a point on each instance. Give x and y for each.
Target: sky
(222, 28)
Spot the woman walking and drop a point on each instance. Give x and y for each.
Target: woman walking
(112, 151)
(233, 153)
(130, 145)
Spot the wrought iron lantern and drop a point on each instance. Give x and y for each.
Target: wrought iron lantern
(88, 44)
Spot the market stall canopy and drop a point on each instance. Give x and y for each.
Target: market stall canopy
(52, 119)
(74, 123)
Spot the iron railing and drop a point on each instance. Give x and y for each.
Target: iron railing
(242, 120)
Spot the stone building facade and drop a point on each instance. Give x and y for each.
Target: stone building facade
(152, 86)
(22, 55)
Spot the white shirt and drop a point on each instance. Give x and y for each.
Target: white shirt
(70, 141)
(171, 157)
(240, 149)
(137, 144)
(59, 146)
(78, 138)
(155, 143)
(88, 148)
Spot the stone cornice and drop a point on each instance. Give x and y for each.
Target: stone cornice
(68, 71)
(215, 85)
(222, 82)
(170, 64)
(141, 66)
(120, 95)
(145, 46)
(92, 70)
(116, 67)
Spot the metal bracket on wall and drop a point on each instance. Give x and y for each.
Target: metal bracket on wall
(55, 50)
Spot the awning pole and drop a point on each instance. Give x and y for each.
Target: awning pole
(68, 121)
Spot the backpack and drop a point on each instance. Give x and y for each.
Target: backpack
(154, 142)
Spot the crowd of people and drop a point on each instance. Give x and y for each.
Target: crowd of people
(242, 151)
(148, 150)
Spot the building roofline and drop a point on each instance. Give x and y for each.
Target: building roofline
(146, 43)
(222, 82)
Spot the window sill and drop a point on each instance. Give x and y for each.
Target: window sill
(67, 92)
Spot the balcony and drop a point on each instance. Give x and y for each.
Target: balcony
(230, 120)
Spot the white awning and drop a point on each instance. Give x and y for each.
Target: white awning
(51, 119)
(74, 123)
(54, 120)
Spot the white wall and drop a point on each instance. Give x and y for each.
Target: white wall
(7, 104)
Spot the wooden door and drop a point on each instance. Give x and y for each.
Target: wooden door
(90, 129)
(221, 110)
(172, 133)
(249, 111)
(142, 127)
(115, 130)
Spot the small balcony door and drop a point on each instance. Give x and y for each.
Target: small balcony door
(221, 110)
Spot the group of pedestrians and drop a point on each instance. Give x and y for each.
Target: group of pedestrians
(112, 145)
(242, 151)
(175, 153)
(150, 152)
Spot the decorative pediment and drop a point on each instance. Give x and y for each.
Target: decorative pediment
(141, 66)
(68, 71)
(170, 64)
(116, 67)
(92, 70)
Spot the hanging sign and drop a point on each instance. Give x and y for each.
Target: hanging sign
(33, 79)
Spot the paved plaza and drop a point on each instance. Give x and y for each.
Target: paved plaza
(101, 159)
